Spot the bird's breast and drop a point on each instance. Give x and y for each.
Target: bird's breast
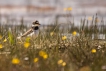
(35, 28)
(35, 32)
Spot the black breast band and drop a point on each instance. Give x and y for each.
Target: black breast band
(35, 28)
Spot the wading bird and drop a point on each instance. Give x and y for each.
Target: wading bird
(33, 31)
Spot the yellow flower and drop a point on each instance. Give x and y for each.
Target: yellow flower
(45, 56)
(15, 61)
(0, 37)
(26, 44)
(69, 8)
(60, 61)
(89, 18)
(36, 60)
(51, 34)
(74, 33)
(64, 64)
(41, 53)
(93, 50)
(1, 46)
(5, 40)
(64, 38)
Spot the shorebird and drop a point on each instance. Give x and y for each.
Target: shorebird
(33, 31)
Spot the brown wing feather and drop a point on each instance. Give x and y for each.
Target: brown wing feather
(28, 32)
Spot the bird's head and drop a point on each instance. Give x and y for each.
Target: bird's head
(35, 25)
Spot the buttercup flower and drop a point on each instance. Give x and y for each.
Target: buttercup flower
(64, 64)
(74, 33)
(64, 38)
(1, 46)
(26, 44)
(60, 61)
(5, 40)
(15, 61)
(93, 50)
(69, 8)
(36, 60)
(43, 54)
(51, 34)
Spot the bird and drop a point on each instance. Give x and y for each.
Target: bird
(33, 31)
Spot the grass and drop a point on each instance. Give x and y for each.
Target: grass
(55, 48)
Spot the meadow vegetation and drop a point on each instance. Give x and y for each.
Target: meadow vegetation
(68, 48)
